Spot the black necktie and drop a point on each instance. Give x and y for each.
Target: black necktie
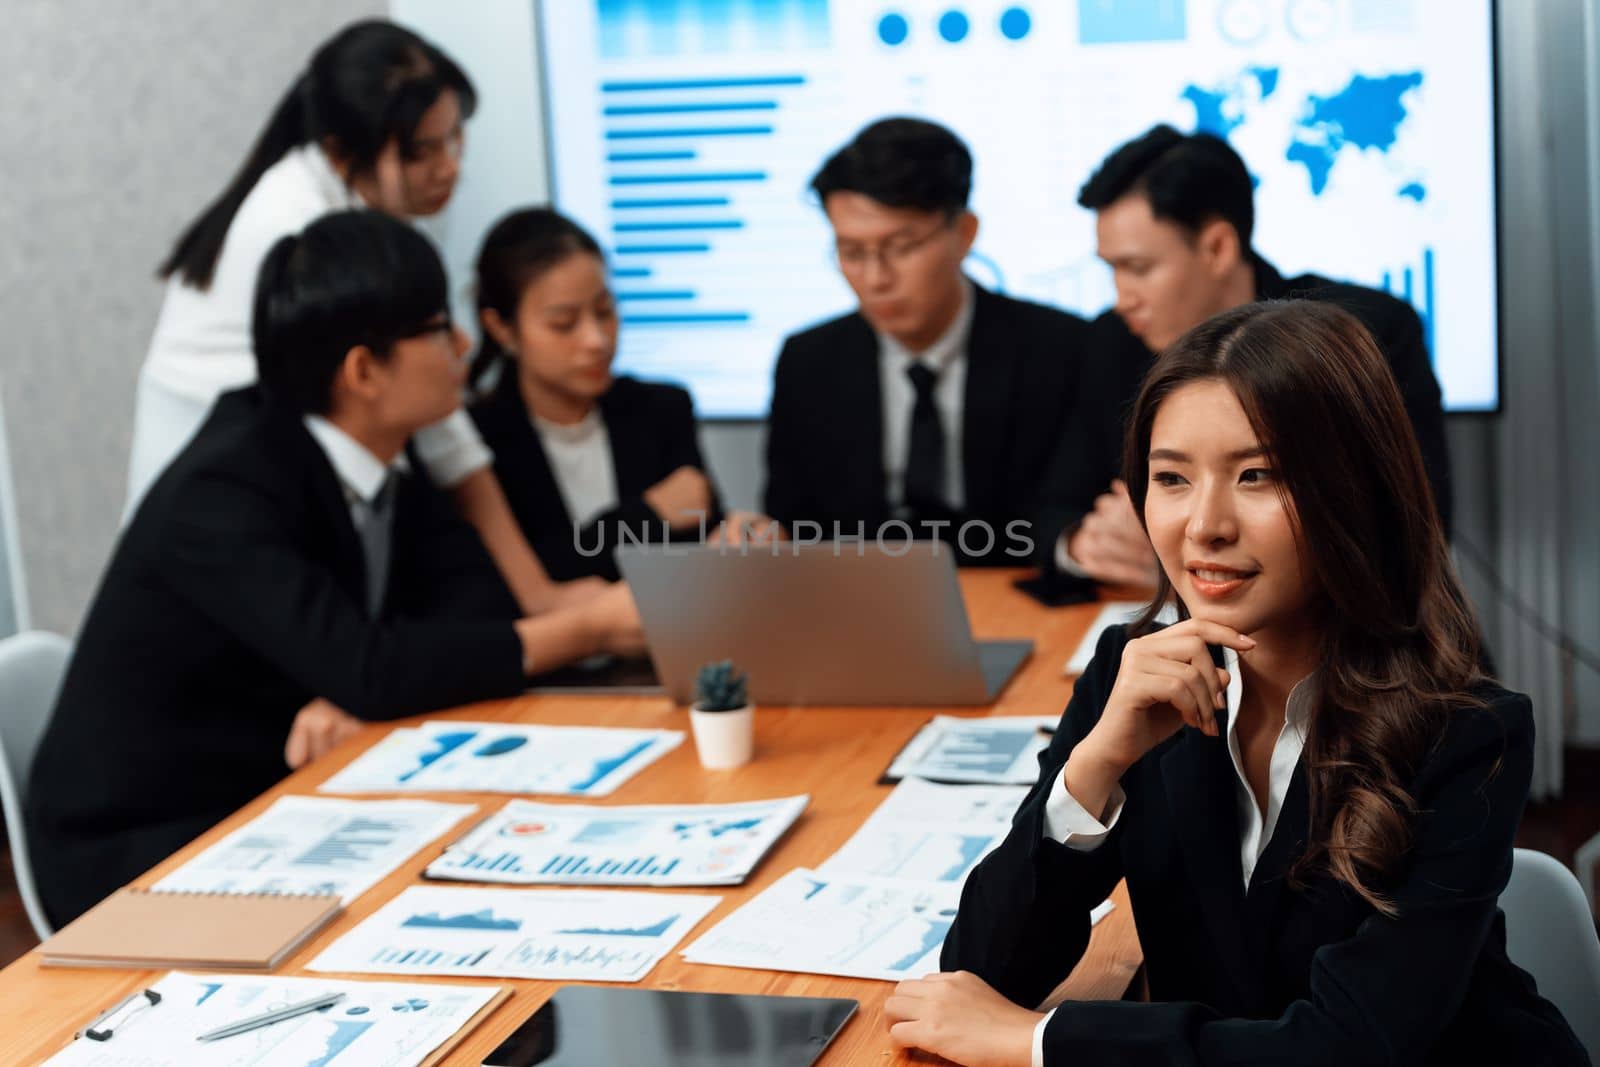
(924, 488)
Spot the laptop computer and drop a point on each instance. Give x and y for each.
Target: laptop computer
(834, 623)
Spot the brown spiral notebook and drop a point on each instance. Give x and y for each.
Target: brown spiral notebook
(137, 928)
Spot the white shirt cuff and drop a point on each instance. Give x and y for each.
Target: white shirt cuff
(1064, 560)
(1038, 1038)
(1066, 821)
(452, 449)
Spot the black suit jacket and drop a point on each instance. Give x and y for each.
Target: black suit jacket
(825, 428)
(234, 597)
(1089, 454)
(652, 432)
(1272, 975)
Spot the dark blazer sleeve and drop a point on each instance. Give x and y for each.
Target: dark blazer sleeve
(1386, 994)
(441, 568)
(230, 554)
(664, 418)
(1088, 453)
(1024, 921)
(786, 497)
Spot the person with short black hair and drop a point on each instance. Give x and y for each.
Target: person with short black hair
(1175, 214)
(287, 575)
(933, 408)
(376, 119)
(589, 460)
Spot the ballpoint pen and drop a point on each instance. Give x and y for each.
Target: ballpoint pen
(288, 1011)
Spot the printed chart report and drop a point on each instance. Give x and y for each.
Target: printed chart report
(684, 133)
(446, 756)
(570, 844)
(999, 751)
(928, 832)
(614, 936)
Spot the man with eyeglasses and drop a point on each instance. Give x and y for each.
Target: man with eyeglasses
(931, 410)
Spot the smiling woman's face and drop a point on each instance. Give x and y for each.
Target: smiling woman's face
(1224, 533)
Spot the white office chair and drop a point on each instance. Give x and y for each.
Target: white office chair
(31, 668)
(1550, 933)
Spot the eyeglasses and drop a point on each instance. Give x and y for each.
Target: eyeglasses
(894, 253)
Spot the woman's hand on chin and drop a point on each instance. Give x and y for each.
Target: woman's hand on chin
(958, 1016)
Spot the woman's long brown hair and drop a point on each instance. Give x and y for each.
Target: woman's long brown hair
(1400, 645)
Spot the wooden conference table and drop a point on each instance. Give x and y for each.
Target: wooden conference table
(835, 754)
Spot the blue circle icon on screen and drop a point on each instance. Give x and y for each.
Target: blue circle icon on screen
(1015, 22)
(893, 28)
(953, 26)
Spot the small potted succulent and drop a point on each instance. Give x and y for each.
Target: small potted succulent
(722, 720)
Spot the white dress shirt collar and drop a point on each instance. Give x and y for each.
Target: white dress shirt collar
(949, 346)
(360, 472)
(1255, 825)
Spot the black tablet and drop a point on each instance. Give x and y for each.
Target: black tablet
(581, 1026)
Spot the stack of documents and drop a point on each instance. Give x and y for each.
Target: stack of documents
(565, 935)
(316, 845)
(881, 906)
(373, 1023)
(483, 757)
(569, 844)
(1000, 751)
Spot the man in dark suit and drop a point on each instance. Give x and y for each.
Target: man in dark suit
(284, 573)
(933, 409)
(1174, 215)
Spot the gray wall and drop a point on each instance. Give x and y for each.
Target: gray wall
(120, 121)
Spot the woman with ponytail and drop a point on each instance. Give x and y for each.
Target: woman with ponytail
(376, 120)
(1307, 782)
(588, 459)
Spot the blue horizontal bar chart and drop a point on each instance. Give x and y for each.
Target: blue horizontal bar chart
(709, 176)
(686, 201)
(658, 294)
(668, 227)
(682, 155)
(631, 272)
(702, 318)
(762, 82)
(651, 133)
(656, 250)
(691, 109)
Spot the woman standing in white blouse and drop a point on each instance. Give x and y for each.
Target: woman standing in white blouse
(376, 120)
(588, 459)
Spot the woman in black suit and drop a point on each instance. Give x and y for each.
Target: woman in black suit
(588, 459)
(1309, 785)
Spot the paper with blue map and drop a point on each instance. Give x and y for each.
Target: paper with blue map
(928, 832)
(377, 1024)
(528, 843)
(485, 757)
(317, 845)
(562, 935)
(818, 924)
(1003, 750)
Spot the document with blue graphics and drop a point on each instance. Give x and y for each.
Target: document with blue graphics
(388, 1023)
(562, 935)
(857, 927)
(1003, 750)
(316, 845)
(571, 844)
(485, 757)
(928, 832)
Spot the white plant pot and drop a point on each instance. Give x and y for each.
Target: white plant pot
(724, 739)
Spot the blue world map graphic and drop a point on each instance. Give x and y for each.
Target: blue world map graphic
(1366, 114)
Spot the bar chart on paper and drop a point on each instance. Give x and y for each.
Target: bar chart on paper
(692, 844)
(518, 933)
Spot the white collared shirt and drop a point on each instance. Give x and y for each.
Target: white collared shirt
(202, 345)
(360, 473)
(947, 358)
(1065, 820)
(580, 459)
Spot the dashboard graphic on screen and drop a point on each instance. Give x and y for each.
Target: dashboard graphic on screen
(683, 133)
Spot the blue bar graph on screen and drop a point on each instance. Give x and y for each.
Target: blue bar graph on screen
(1415, 286)
(638, 29)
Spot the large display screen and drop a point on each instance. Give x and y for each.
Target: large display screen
(683, 133)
